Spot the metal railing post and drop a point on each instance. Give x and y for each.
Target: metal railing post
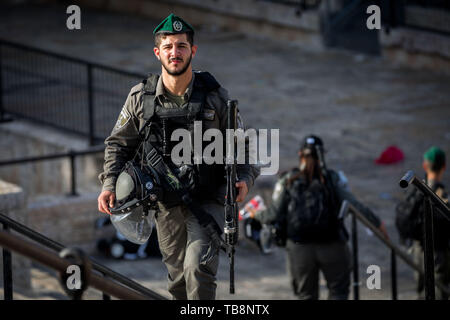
(3, 118)
(105, 296)
(428, 249)
(73, 178)
(1, 86)
(355, 258)
(7, 271)
(394, 274)
(90, 104)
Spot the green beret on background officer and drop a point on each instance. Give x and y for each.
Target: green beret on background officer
(178, 96)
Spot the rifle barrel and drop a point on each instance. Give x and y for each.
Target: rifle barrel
(232, 271)
(231, 219)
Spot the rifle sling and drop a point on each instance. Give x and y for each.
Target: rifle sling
(172, 181)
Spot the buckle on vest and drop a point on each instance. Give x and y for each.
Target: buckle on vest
(208, 114)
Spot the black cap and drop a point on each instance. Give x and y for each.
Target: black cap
(309, 144)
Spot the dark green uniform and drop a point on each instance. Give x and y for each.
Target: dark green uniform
(124, 139)
(306, 258)
(187, 250)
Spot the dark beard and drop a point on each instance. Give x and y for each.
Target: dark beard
(178, 73)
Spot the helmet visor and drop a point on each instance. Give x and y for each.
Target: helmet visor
(136, 226)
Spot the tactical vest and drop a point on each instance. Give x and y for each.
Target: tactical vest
(201, 179)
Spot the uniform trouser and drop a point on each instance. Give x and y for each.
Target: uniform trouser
(441, 270)
(306, 260)
(187, 251)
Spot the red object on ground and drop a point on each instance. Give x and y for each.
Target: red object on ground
(391, 155)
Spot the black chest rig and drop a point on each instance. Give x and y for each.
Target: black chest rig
(200, 179)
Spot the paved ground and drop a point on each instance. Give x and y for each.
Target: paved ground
(359, 105)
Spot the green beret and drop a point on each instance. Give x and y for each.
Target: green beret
(173, 24)
(435, 155)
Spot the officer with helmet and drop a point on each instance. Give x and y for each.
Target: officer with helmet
(304, 210)
(188, 224)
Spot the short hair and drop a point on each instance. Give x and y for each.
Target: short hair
(161, 35)
(435, 166)
(435, 158)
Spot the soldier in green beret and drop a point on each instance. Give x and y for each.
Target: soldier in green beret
(175, 99)
(409, 222)
(174, 47)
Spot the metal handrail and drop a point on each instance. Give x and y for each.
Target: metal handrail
(396, 251)
(410, 179)
(52, 260)
(430, 201)
(69, 58)
(70, 153)
(89, 105)
(51, 244)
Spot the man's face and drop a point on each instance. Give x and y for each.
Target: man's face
(427, 168)
(175, 53)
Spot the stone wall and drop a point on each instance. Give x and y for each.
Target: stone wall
(405, 46)
(65, 219)
(22, 139)
(258, 18)
(424, 41)
(417, 49)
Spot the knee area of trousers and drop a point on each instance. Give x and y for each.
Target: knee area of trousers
(196, 270)
(191, 269)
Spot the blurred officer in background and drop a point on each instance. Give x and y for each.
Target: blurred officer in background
(410, 224)
(304, 211)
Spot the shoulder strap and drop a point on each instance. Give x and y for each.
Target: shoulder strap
(150, 83)
(148, 95)
(205, 81)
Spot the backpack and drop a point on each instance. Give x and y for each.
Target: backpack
(407, 217)
(310, 214)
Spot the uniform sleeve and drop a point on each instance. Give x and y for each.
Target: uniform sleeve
(122, 143)
(246, 172)
(342, 194)
(442, 217)
(442, 193)
(278, 206)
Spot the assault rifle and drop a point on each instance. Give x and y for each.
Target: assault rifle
(171, 181)
(231, 209)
